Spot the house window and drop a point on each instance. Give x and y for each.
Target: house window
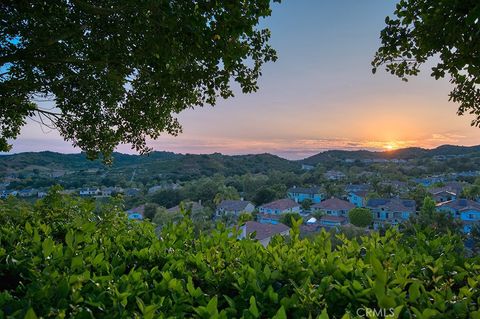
(471, 216)
(378, 214)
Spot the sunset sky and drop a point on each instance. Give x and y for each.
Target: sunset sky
(320, 94)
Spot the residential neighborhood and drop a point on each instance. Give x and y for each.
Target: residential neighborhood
(392, 190)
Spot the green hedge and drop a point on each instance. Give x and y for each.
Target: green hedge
(64, 258)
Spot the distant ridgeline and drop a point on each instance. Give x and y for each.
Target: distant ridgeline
(168, 161)
(401, 154)
(169, 165)
(43, 169)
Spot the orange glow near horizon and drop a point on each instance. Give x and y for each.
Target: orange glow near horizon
(391, 146)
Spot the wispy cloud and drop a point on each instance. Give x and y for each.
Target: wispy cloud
(446, 138)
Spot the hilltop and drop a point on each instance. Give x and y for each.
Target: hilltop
(166, 164)
(404, 153)
(189, 166)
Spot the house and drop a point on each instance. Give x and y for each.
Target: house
(450, 191)
(333, 221)
(454, 186)
(27, 192)
(193, 207)
(309, 229)
(306, 167)
(263, 232)
(465, 210)
(6, 193)
(467, 174)
(132, 192)
(271, 213)
(398, 161)
(334, 175)
(136, 213)
(57, 174)
(68, 192)
(299, 194)
(390, 211)
(442, 195)
(89, 192)
(358, 198)
(279, 207)
(41, 194)
(109, 191)
(334, 207)
(429, 181)
(234, 207)
(356, 188)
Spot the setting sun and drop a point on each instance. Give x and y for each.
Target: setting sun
(389, 147)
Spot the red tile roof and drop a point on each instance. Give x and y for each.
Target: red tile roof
(281, 204)
(334, 204)
(265, 230)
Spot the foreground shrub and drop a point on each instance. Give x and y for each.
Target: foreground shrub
(60, 259)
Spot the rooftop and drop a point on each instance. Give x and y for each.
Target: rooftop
(304, 190)
(233, 205)
(360, 193)
(193, 206)
(264, 230)
(334, 204)
(392, 204)
(461, 204)
(281, 204)
(333, 219)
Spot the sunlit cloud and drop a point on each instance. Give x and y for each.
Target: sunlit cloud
(446, 138)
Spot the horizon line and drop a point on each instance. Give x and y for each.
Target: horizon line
(372, 150)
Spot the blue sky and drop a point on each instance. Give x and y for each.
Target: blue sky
(319, 95)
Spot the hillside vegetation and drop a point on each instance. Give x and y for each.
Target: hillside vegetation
(168, 165)
(403, 153)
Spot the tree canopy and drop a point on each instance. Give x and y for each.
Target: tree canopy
(360, 217)
(119, 71)
(436, 29)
